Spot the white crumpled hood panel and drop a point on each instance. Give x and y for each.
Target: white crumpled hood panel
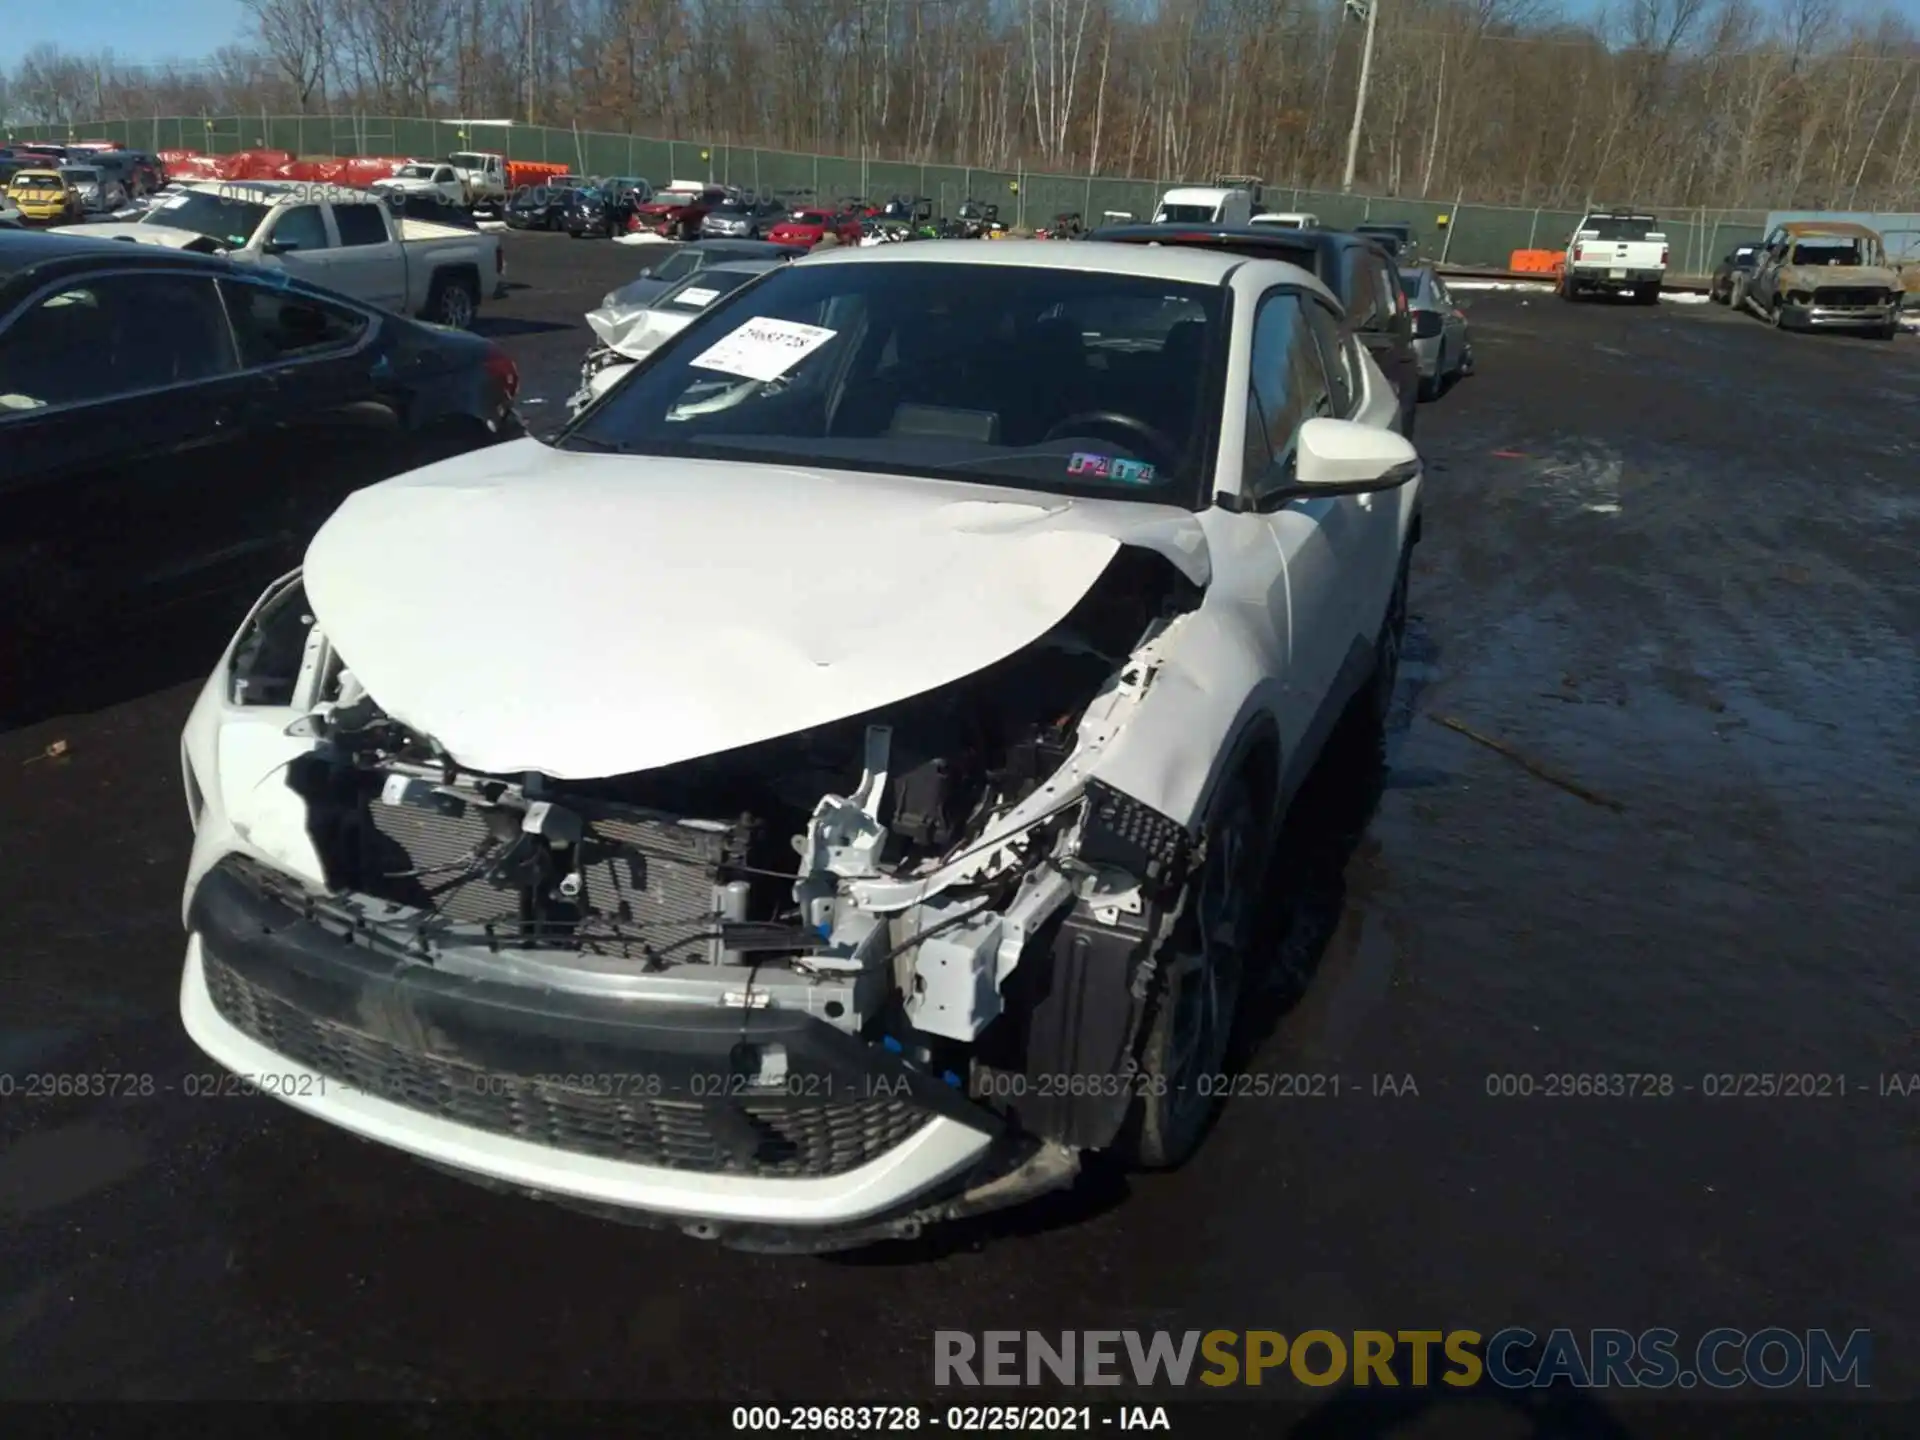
(591, 615)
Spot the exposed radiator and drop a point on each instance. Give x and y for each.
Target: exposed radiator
(651, 886)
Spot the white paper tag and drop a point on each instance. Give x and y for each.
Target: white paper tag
(698, 297)
(173, 202)
(763, 348)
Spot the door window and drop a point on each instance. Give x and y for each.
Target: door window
(301, 225)
(1343, 383)
(275, 325)
(360, 224)
(101, 337)
(1289, 388)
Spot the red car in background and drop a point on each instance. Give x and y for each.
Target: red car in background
(677, 211)
(810, 227)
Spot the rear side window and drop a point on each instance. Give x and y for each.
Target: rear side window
(360, 224)
(99, 338)
(1371, 298)
(275, 325)
(1608, 227)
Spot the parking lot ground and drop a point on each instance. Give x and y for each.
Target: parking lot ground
(1669, 561)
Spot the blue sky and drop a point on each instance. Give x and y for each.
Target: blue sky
(137, 34)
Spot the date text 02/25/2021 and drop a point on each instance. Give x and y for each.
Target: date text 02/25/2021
(950, 1420)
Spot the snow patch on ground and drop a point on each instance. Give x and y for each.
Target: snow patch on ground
(642, 237)
(491, 224)
(1542, 287)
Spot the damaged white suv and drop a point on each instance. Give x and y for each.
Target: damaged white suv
(823, 792)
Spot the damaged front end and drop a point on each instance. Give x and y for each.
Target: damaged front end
(782, 961)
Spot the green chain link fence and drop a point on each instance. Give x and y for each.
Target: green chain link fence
(1473, 235)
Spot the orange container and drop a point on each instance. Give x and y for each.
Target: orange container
(1536, 262)
(531, 172)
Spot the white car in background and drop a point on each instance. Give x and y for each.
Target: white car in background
(738, 813)
(627, 334)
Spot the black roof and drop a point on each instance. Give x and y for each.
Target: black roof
(31, 257)
(1305, 248)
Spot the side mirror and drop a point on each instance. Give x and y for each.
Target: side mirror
(1338, 457)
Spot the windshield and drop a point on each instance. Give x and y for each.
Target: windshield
(468, 161)
(218, 217)
(1827, 252)
(81, 175)
(37, 180)
(678, 197)
(536, 196)
(1606, 227)
(1186, 214)
(1074, 382)
(810, 217)
(1413, 282)
(414, 172)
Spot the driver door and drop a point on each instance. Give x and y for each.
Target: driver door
(1322, 547)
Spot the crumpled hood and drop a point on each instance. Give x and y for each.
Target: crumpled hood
(591, 615)
(1816, 277)
(634, 330)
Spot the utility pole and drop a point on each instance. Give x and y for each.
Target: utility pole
(1370, 9)
(530, 64)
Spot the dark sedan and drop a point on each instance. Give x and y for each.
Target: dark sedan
(1355, 267)
(539, 207)
(1739, 261)
(174, 427)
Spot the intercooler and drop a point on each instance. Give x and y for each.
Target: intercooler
(641, 886)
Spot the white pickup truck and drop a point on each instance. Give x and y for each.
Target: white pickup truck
(1618, 252)
(484, 175)
(431, 178)
(1230, 200)
(347, 240)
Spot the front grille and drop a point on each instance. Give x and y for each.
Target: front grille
(788, 1137)
(1849, 296)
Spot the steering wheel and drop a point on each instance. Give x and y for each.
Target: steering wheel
(1159, 446)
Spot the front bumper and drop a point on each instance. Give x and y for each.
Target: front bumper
(1608, 277)
(1841, 317)
(586, 1098)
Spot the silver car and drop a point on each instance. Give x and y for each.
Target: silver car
(627, 334)
(100, 193)
(1441, 341)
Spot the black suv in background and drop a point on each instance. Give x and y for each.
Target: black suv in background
(1356, 268)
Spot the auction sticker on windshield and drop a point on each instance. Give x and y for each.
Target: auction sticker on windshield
(763, 348)
(698, 297)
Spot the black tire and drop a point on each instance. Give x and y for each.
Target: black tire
(1431, 386)
(453, 301)
(1569, 288)
(1198, 981)
(1648, 295)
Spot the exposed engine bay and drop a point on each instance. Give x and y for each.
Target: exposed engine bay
(884, 871)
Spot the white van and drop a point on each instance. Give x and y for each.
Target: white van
(1205, 205)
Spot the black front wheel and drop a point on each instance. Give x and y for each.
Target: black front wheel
(1197, 984)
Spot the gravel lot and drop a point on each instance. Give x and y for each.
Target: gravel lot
(1670, 562)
